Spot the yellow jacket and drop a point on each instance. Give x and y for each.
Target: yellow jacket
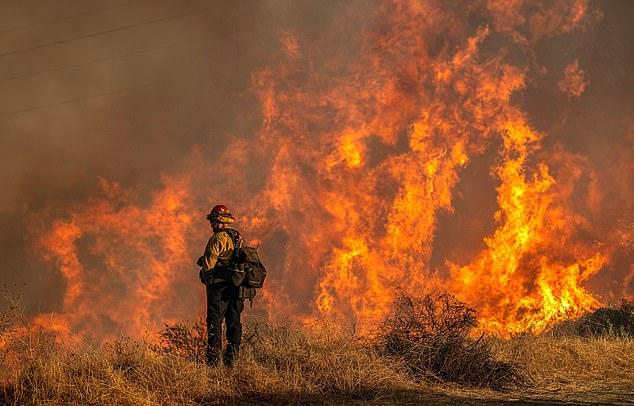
(217, 253)
(219, 247)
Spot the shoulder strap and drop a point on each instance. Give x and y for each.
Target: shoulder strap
(234, 234)
(237, 241)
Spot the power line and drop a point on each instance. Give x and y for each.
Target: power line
(96, 34)
(103, 59)
(77, 99)
(83, 13)
(89, 97)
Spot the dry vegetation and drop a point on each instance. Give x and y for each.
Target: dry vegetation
(432, 336)
(423, 353)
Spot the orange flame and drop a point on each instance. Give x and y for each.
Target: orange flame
(518, 270)
(359, 153)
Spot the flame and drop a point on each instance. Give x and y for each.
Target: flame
(359, 154)
(136, 249)
(517, 270)
(573, 82)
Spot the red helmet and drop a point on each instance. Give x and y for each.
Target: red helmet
(220, 214)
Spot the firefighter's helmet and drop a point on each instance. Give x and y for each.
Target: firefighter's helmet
(220, 214)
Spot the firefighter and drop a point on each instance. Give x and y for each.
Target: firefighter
(224, 299)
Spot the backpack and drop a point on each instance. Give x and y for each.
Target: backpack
(246, 259)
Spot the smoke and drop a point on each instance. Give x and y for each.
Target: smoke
(123, 155)
(179, 83)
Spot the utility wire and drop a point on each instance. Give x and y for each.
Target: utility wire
(103, 59)
(83, 13)
(96, 34)
(89, 97)
(78, 99)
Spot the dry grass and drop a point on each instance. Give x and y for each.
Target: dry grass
(278, 364)
(571, 363)
(285, 363)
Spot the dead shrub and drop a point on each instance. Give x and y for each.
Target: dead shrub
(186, 340)
(432, 336)
(617, 322)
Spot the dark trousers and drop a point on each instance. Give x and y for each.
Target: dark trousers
(223, 302)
